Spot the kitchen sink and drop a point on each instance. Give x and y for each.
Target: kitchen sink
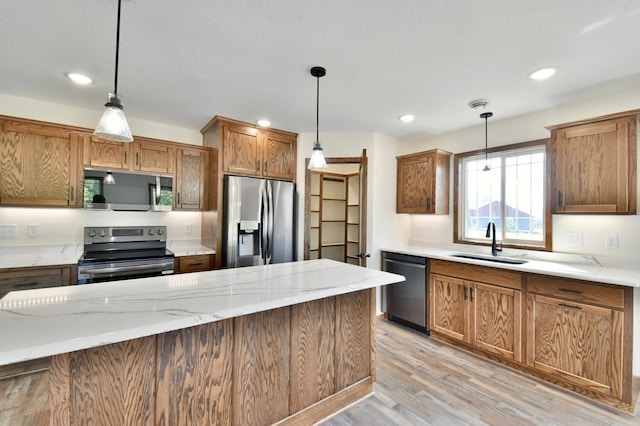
(490, 258)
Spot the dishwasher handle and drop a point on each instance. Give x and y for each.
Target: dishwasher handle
(402, 262)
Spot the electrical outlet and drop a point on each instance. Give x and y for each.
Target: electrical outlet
(574, 238)
(8, 231)
(32, 230)
(611, 242)
(188, 228)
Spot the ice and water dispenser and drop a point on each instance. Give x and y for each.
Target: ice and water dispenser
(248, 241)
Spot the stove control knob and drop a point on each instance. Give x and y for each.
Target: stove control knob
(103, 233)
(150, 231)
(91, 233)
(160, 231)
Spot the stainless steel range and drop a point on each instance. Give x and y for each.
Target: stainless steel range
(124, 252)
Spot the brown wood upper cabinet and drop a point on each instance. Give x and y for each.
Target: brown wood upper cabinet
(144, 155)
(593, 165)
(248, 150)
(192, 166)
(423, 182)
(40, 163)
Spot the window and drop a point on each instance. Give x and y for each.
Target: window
(511, 194)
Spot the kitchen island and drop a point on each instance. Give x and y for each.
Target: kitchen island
(256, 345)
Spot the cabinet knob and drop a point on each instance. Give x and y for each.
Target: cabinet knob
(258, 166)
(428, 203)
(266, 167)
(559, 198)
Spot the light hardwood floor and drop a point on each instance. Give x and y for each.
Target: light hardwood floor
(419, 382)
(423, 382)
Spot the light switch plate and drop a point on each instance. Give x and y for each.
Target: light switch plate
(574, 238)
(8, 231)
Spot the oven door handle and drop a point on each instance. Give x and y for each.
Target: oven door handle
(95, 271)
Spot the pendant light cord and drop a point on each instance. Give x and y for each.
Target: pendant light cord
(486, 115)
(318, 110)
(115, 83)
(486, 143)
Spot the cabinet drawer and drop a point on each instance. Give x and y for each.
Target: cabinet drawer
(482, 274)
(577, 291)
(195, 263)
(29, 279)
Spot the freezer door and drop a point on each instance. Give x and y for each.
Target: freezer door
(281, 220)
(243, 212)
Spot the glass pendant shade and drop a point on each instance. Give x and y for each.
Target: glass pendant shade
(317, 160)
(113, 124)
(109, 179)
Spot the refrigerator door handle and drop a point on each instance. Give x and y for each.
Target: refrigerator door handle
(270, 230)
(264, 240)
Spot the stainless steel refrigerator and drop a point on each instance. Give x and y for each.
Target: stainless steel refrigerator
(259, 222)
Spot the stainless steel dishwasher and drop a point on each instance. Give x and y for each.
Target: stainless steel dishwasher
(406, 302)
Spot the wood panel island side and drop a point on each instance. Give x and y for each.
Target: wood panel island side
(288, 343)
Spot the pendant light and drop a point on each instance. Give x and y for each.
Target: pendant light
(109, 179)
(486, 115)
(113, 124)
(317, 160)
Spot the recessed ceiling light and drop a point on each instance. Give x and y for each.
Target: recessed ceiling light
(79, 78)
(407, 118)
(264, 123)
(479, 104)
(542, 74)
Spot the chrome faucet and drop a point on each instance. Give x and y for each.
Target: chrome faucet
(495, 248)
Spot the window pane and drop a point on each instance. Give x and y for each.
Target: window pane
(483, 197)
(511, 194)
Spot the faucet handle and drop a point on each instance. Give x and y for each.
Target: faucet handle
(499, 246)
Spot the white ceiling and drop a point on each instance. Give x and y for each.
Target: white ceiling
(184, 61)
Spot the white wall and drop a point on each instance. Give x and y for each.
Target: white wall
(384, 227)
(65, 225)
(595, 228)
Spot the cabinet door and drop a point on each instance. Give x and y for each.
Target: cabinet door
(190, 179)
(415, 183)
(154, 157)
(496, 319)
(242, 151)
(577, 342)
(279, 156)
(106, 154)
(39, 166)
(593, 167)
(449, 310)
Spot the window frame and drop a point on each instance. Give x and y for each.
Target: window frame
(458, 186)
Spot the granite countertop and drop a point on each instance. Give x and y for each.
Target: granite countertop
(583, 267)
(49, 321)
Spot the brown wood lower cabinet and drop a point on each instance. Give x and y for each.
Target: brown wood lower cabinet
(196, 263)
(486, 315)
(576, 330)
(299, 364)
(577, 334)
(37, 277)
